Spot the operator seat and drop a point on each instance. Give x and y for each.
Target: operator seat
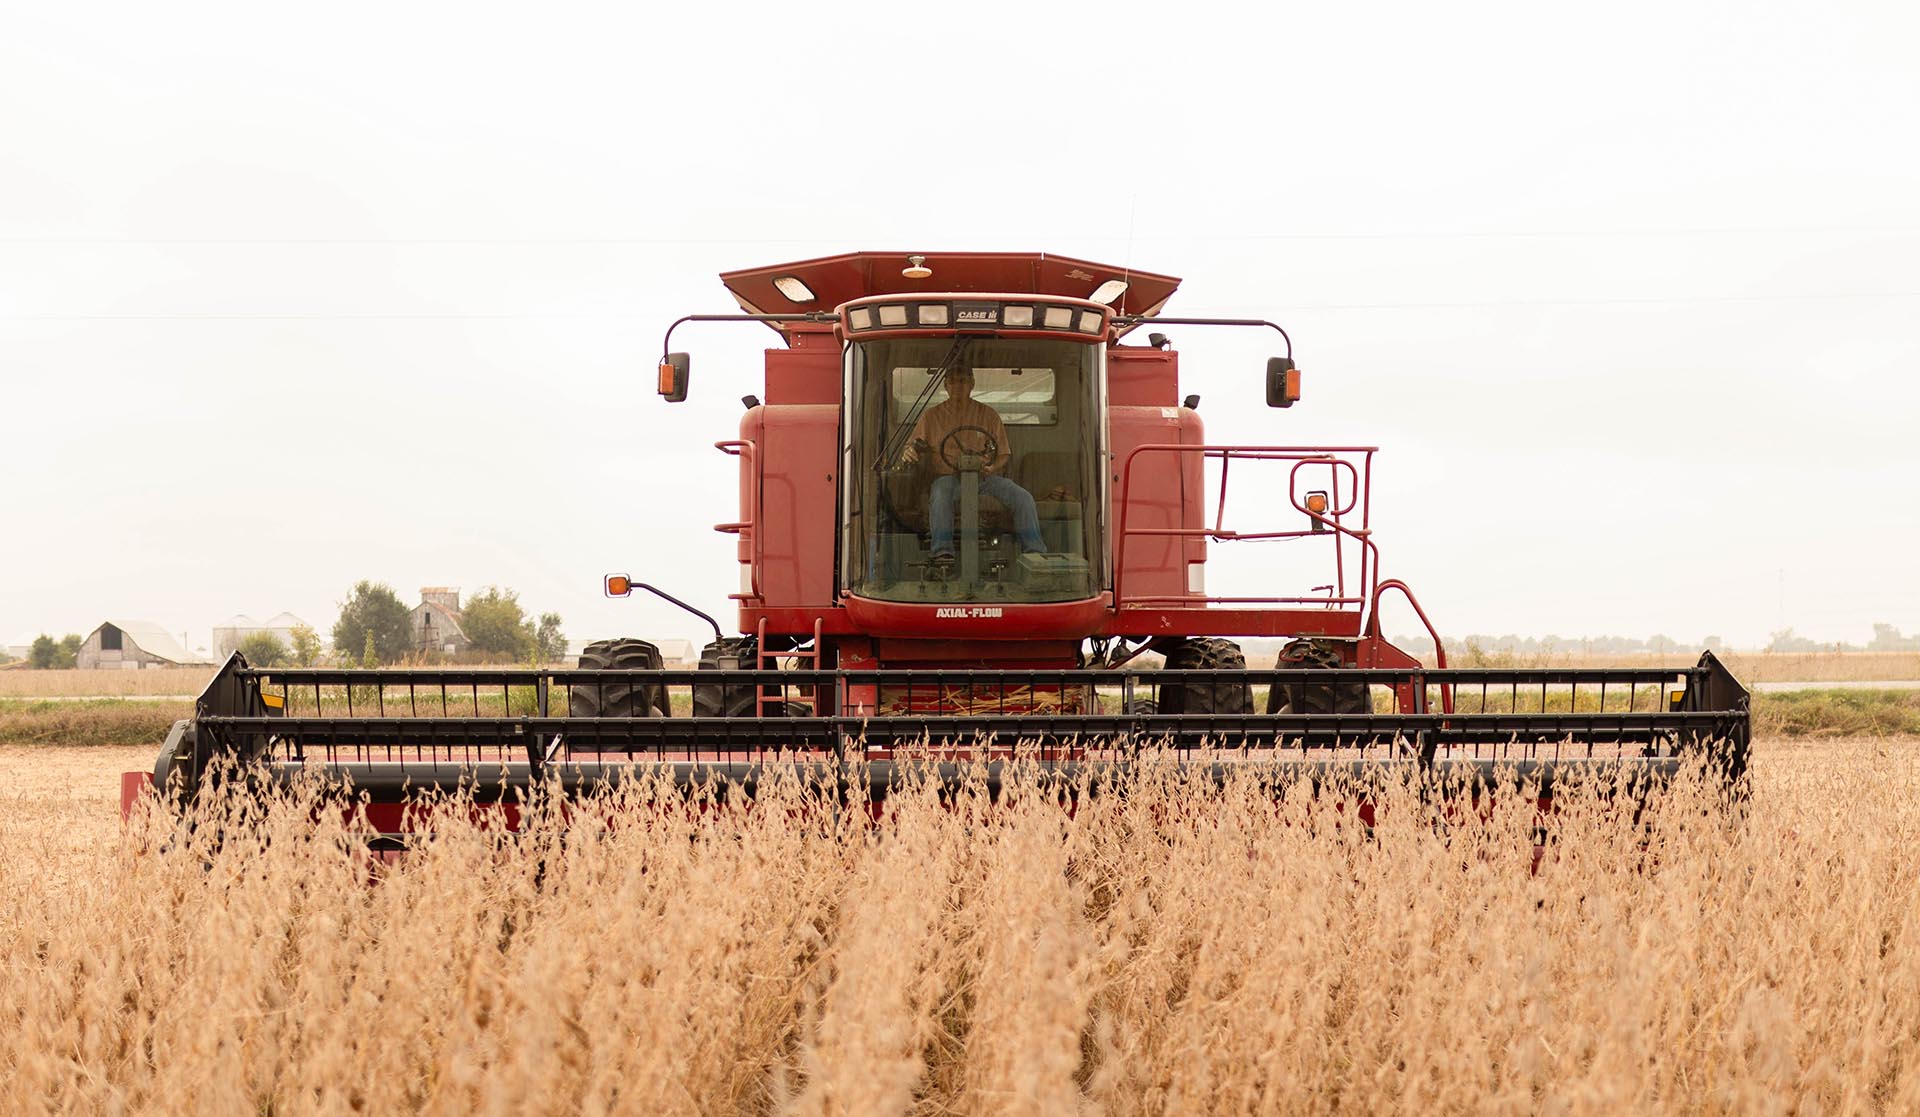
(1042, 473)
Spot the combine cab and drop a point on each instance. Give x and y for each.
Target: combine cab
(967, 505)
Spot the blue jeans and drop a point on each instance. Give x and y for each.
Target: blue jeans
(946, 490)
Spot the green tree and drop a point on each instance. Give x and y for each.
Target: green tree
(264, 649)
(497, 626)
(372, 613)
(44, 653)
(550, 644)
(306, 646)
(49, 654)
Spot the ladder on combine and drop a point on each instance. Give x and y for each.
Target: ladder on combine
(770, 699)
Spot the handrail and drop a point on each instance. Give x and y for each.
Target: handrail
(1360, 498)
(1439, 649)
(744, 449)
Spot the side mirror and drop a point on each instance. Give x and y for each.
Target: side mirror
(1283, 382)
(674, 371)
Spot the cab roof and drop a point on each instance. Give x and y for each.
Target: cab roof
(837, 279)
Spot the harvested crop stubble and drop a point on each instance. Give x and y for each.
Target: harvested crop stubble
(1174, 951)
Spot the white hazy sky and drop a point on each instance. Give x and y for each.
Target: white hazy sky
(292, 296)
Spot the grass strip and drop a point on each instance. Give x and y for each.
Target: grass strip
(1836, 713)
(105, 721)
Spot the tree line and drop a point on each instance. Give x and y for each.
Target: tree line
(376, 627)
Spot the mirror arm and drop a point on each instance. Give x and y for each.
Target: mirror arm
(666, 343)
(1123, 321)
(665, 596)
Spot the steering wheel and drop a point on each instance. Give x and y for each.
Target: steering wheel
(950, 443)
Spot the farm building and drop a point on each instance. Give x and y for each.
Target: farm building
(228, 635)
(436, 621)
(133, 644)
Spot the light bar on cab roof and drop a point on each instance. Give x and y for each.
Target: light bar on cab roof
(794, 290)
(963, 314)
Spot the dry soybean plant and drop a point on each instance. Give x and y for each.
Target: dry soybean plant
(1166, 947)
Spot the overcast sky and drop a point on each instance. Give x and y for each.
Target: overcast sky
(293, 296)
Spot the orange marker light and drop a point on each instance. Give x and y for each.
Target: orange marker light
(1293, 385)
(619, 585)
(1317, 503)
(666, 378)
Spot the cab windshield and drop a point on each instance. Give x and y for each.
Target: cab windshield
(970, 472)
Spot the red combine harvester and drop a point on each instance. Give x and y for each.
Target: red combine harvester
(966, 506)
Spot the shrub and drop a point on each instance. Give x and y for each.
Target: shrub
(264, 649)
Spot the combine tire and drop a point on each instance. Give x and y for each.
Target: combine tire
(723, 700)
(736, 700)
(619, 700)
(1206, 654)
(1316, 698)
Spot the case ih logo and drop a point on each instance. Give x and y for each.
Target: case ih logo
(977, 315)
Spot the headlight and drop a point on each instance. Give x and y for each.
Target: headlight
(1090, 321)
(1059, 318)
(933, 314)
(893, 314)
(860, 318)
(1017, 315)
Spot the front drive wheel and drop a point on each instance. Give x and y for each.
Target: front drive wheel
(1206, 654)
(618, 699)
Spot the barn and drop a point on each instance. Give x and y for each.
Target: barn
(436, 622)
(134, 644)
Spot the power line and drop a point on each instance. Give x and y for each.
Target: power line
(1490, 234)
(1276, 306)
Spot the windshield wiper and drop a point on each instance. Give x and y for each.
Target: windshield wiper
(920, 402)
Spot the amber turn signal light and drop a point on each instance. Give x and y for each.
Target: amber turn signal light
(619, 585)
(1317, 503)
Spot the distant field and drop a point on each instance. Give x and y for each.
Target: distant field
(1748, 667)
(46, 684)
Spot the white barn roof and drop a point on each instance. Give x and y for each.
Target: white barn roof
(154, 640)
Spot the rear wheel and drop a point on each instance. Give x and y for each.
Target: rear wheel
(726, 700)
(617, 699)
(1206, 654)
(1316, 698)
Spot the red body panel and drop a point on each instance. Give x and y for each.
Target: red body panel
(792, 538)
(1061, 620)
(1157, 498)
